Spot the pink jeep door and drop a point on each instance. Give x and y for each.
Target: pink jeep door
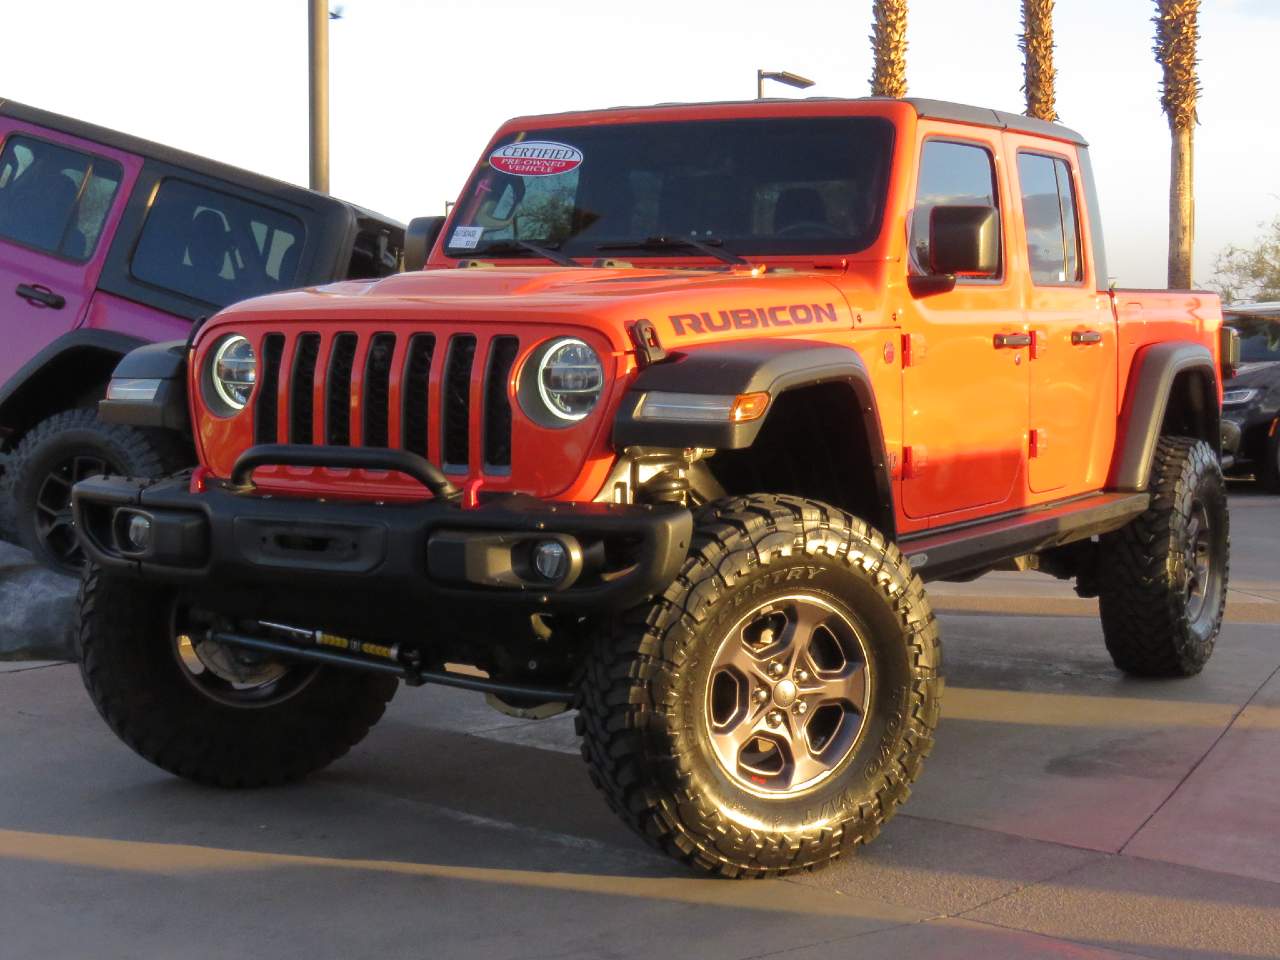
(60, 198)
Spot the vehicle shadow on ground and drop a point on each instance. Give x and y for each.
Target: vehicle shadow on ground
(464, 819)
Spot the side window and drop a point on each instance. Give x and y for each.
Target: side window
(54, 199)
(215, 247)
(951, 174)
(1049, 209)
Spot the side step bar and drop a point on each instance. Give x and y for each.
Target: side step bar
(950, 552)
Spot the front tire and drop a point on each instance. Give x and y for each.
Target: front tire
(1163, 577)
(734, 776)
(298, 719)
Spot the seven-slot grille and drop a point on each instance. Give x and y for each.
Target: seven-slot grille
(378, 390)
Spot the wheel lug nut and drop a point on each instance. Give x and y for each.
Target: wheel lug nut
(774, 718)
(776, 669)
(802, 676)
(801, 707)
(762, 695)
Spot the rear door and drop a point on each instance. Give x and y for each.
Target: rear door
(1073, 354)
(58, 198)
(965, 382)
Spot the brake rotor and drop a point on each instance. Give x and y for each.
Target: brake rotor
(241, 668)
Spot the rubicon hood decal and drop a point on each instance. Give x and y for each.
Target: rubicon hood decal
(748, 318)
(536, 158)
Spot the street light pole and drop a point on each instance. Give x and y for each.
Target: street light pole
(781, 76)
(318, 11)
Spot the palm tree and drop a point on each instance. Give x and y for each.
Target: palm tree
(1036, 45)
(889, 44)
(1177, 32)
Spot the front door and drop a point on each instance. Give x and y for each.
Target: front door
(54, 202)
(965, 375)
(1073, 362)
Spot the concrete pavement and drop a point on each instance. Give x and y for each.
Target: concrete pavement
(1066, 812)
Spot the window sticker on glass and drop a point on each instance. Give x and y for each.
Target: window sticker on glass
(466, 238)
(536, 158)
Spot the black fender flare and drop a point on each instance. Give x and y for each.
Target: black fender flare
(1151, 383)
(97, 341)
(755, 365)
(165, 363)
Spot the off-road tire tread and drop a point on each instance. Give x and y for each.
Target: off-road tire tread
(244, 748)
(619, 719)
(1144, 617)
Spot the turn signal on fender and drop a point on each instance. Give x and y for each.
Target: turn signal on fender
(749, 406)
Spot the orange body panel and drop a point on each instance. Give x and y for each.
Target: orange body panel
(970, 429)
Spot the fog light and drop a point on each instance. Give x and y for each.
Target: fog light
(551, 559)
(139, 531)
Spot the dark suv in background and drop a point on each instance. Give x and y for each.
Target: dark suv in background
(108, 242)
(1251, 399)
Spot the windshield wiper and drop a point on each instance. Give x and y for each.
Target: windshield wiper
(523, 246)
(676, 243)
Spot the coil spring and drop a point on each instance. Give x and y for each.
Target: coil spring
(667, 487)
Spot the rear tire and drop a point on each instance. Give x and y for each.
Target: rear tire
(660, 727)
(130, 665)
(1163, 577)
(1269, 472)
(58, 452)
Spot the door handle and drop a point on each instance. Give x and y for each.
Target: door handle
(36, 293)
(1013, 340)
(1079, 337)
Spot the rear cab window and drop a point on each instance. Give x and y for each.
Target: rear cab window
(214, 246)
(54, 199)
(952, 173)
(1049, 211)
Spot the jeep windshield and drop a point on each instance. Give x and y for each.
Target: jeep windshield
(777, 186)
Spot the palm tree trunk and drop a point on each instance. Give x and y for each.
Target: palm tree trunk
(1037, 58)
(889, 45)
(1182, 208)
(1177, 33)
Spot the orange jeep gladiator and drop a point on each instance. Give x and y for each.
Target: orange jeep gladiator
(685, 407)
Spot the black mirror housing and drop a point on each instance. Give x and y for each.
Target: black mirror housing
(964, 241)
(419, 237)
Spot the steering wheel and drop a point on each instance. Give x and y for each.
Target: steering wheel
(809, 228)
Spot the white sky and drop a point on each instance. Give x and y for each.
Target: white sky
(418, 87)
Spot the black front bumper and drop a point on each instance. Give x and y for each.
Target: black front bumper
(227, 538)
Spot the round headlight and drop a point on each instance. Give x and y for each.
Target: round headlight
(234, 371)
(570, 379)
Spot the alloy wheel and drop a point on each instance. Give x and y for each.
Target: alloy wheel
(788, 695)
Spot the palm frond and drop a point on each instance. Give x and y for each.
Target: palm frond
(1177, 33)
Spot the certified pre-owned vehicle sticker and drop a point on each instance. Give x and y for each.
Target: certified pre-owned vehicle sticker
(536, 158)
(466, 238)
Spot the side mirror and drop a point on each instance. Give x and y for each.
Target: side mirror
(419, 237)
(964, 241)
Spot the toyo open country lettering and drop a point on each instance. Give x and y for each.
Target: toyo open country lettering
(877, 332)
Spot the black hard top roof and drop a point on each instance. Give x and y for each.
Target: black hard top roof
(926, 109)
(178, 158)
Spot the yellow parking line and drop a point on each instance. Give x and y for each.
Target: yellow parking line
(1072, 710)
(176, 859)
